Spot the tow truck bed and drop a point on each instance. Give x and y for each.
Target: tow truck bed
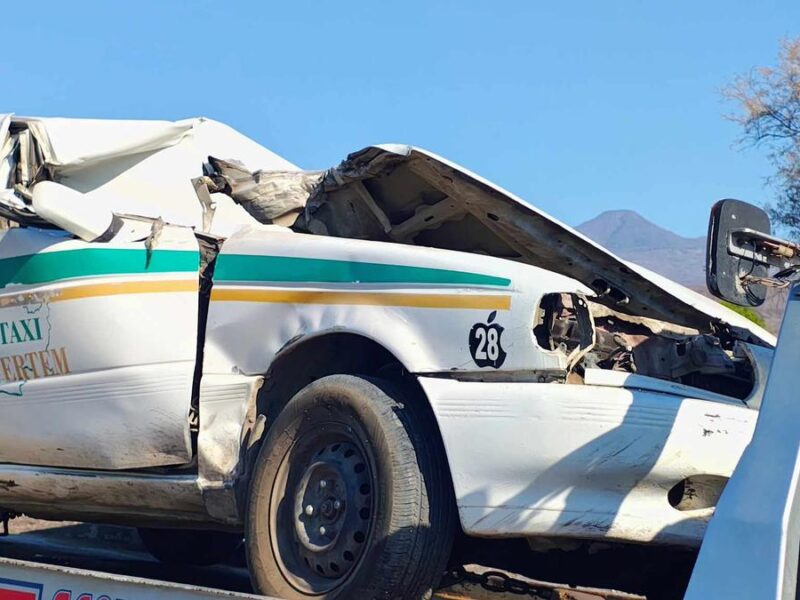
(90, 562)
(23, 580)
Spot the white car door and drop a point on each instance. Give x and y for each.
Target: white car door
(97, 349)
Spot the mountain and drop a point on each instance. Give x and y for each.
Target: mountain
(632, 237)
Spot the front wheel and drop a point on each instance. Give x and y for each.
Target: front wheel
(350, 497)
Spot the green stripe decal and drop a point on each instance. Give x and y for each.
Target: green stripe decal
(290, 269)
(47, 267)
(93, 262)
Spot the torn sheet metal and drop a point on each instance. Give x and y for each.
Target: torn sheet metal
(134, 167)
(228, 417)
(271, 197)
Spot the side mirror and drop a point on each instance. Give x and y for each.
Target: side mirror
(733, 263)
(83, 216)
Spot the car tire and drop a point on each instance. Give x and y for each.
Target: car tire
(189, 546)
(350, 496)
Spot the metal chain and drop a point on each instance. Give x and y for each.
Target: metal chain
(499, 582)
(5, 517)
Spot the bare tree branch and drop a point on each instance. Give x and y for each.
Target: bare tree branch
(769, 102)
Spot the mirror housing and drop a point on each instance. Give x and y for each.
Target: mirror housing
(72, 211)
(731, 252)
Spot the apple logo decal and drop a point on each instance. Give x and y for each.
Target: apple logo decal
(485, 345)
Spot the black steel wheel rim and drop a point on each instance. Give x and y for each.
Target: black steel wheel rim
(322, 508)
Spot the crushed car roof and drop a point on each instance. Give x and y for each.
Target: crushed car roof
(390, 193)
(136, 167)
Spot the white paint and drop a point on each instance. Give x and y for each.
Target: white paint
(125, 401)
(131, 417)
(533, 459)
(247, 335)
(71, 210)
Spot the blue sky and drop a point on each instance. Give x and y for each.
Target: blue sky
(578, 107)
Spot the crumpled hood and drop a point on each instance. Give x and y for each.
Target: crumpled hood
(415, 196)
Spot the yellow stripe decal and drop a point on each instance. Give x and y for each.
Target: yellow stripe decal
(77, 292)
(125, 287)
(476, 301)
(95, 290)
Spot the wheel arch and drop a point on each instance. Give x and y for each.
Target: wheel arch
(330, 353)
(311, 357)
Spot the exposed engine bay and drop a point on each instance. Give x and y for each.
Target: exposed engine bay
(592, 335)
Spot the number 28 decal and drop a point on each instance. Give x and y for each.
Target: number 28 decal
(485, 344)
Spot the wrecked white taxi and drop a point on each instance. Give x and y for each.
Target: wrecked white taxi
(199, 339)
